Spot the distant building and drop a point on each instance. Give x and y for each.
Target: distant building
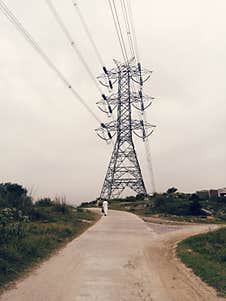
(203, 194)
(222, 192)
(212, 193)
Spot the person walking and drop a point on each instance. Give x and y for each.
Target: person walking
(105, 207)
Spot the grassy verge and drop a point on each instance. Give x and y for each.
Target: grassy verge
(205, 254)
(26, 242)
(175, 208)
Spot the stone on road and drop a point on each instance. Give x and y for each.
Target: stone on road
(120, 258)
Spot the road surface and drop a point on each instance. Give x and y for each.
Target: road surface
(121, 258)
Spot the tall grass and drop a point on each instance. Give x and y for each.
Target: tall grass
(28, 239)
(206, 255)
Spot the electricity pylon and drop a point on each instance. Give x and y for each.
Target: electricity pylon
(124, 169)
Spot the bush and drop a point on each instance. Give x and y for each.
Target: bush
(12, 225)
(60, 205)
(45, 202)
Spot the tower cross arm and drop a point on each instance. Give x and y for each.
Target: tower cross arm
(136, 127)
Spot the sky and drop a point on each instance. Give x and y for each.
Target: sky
(48, 142)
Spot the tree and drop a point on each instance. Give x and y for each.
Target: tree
(140, 196)
(14, 195)
(159, 201)
(171, 190)
(194, 196)
(195, 207)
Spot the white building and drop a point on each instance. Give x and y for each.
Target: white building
(222, 192)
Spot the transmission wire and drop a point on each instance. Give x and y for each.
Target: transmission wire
(120, 29)
(117, 31)
(82, 19)
(131, 18)
(127, 26)
(149, 159)
(130, 21)
(20, 28)
(95, 48)
(72, 42)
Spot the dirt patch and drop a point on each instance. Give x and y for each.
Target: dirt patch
(179, 281)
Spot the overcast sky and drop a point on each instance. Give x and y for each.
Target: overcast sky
(48, 142)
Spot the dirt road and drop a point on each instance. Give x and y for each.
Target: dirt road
(121, 258)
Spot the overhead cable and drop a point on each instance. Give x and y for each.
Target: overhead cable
(92, 42)
(82, 19)
(149, 159)
(131, 18)
(127, 26)
(124, 54)
(20, 28)
(120, 29)
(72, 42)
(129, 21)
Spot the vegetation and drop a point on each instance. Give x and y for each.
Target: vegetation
(30, 232)
(206, 255)
(173, 205)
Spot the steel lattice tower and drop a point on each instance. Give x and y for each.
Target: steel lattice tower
(124, 169)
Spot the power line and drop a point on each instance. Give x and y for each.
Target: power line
(146, 142)
(127, 26)
(120, 29)
(72, 42)
(118, 32)
(20, 28)
(131, 18)
(98, 54)
(148, 152)
(150, 166)
(129, 23)
(79, 54)
(143, 116)
(82, 19)
(149, 159)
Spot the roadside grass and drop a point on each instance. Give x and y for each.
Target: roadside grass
(28, 243)
(174, 209)
(205, 254)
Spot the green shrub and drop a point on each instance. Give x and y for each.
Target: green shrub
(45, 202)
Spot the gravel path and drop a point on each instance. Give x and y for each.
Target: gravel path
(121, 258)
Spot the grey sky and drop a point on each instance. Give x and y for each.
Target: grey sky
(48, 141)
